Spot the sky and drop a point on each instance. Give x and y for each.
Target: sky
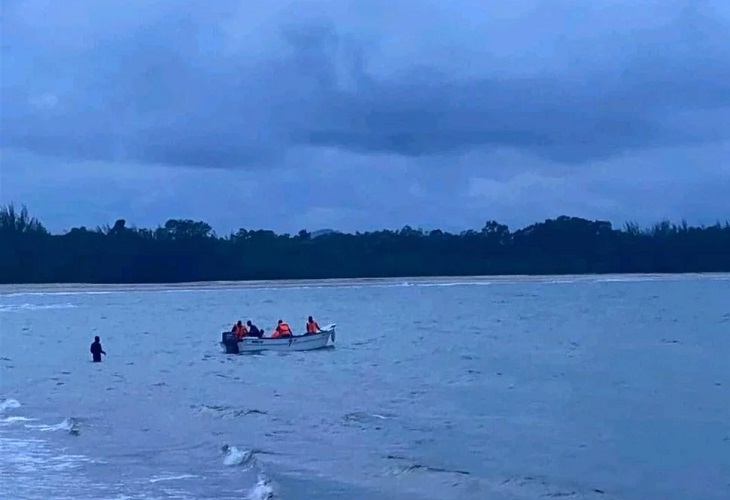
(359, 115)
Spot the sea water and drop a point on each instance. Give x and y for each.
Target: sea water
(591, 387)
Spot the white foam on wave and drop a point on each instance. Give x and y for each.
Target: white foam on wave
(234, 456)
(630, 279)
(11, 420)
(173, 478)
(69, 425)
(263, 490)
(445, 281)
(8, 404)
(34, 307)
(61, 293)
(31, 469)
(227, 289)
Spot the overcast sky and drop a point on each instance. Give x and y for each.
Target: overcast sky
(364, 114)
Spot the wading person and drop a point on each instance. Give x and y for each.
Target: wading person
(96, 350)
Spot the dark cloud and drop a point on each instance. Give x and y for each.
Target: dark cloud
(365, 114)
(194, 85)
(329, 188)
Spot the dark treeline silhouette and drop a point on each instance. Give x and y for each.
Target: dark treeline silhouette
(186, 250)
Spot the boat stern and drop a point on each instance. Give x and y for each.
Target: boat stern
(229, 342)
(331, 330)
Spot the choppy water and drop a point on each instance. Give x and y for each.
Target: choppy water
(591, 387)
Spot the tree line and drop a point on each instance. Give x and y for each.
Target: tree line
(186, 250)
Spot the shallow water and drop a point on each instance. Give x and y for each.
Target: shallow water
(504, 388)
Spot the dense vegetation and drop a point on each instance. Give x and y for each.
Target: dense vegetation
(186, 250)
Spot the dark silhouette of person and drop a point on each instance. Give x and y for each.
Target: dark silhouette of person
(96, 350)
(253, 330)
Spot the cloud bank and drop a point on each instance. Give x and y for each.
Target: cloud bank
(367, 113)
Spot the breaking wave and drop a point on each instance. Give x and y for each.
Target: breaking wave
(262, 490)
(172, 478)
(34, 307)
(61, 293)
(235, 457)
(8, 404)
(11, 420)
(70, 425)
(32, 467)
(227, 286)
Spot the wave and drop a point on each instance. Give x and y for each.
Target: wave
(445, 281)
(542, 487)
(34, 307)
(11, 420)
(70, 425)
(262, 490)
(29, 453)
(11, 404)
(60, 293)
(436, 282)
(172, 478)
(242, 287)
(32, 468)
(226, 411)
(234, 457)
(407, 466)
(8, 404)
(365, 417)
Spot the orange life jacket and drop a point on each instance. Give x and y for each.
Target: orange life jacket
(283, 328)
(312, 327)
(241, 331)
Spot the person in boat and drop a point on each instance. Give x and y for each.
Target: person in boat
(96, 350)
(240, 330)
(253, 330)
(282, 330)
(312, 326)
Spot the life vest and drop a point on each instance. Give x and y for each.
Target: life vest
(312, 327)
(283, 328)
(241, 331)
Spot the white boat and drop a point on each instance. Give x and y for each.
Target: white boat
(308, 342)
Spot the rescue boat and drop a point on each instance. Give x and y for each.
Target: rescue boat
(309, 342)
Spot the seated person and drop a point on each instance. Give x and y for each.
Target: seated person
(253, 330)
(312, 326)
(282, 330)
(239, 330)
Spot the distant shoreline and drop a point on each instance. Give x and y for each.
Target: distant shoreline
(186, 251)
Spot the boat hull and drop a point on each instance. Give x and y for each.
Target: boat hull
(308, 342)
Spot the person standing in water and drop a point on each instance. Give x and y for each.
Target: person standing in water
(96, 350)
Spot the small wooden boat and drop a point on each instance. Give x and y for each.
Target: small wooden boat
(308, 342)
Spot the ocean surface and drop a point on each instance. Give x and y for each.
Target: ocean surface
(593, 387)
